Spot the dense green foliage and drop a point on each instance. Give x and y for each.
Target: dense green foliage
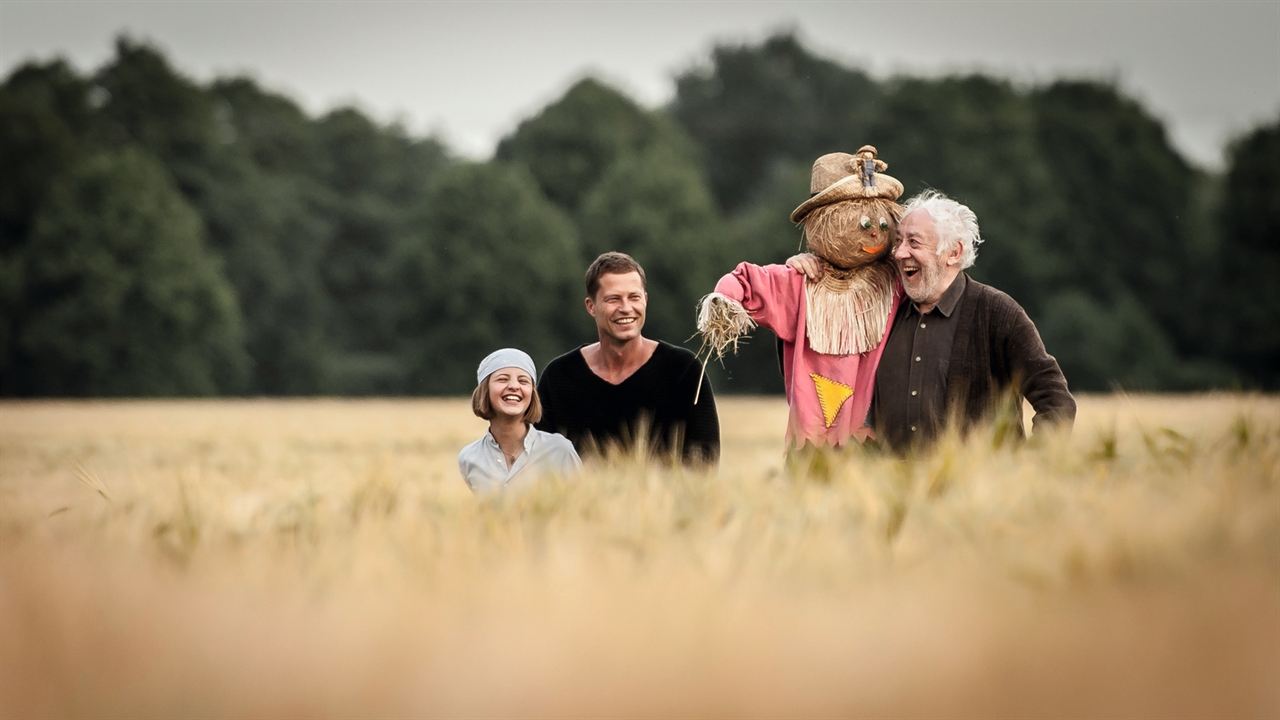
(486, 263)
(119, 292)
(1248, 299)
(163, 237)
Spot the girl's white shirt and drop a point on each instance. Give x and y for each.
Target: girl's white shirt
(485, 469)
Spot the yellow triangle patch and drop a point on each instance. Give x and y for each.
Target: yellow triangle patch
(831, 396)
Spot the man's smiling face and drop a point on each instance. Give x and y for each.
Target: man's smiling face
(619, 306)
(925, 274)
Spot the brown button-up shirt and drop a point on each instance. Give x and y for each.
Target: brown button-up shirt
(910, 402)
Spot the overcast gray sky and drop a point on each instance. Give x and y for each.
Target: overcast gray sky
(471, 71)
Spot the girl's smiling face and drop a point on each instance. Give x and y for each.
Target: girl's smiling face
(510, 391)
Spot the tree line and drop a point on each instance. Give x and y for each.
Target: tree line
(159, 236)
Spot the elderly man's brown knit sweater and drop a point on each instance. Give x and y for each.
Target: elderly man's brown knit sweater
(996, 359)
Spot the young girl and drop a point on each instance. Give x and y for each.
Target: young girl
(513, 450)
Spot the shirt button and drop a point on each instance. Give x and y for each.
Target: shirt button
(913, 428)
(922, 325)
(914, 393)
(917, 358)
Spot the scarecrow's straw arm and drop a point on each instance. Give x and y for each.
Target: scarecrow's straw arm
(722, 322)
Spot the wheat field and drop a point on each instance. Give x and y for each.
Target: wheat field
(322, 558)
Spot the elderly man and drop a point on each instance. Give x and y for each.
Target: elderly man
(960, 349)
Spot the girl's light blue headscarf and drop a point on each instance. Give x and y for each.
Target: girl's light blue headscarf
(506, 357)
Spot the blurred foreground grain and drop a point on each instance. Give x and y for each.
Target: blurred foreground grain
(322, 558)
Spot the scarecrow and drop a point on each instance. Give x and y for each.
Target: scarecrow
(832, 330)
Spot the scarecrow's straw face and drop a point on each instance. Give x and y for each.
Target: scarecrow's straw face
(853, 233)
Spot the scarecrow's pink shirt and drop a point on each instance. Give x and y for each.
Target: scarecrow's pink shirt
(774, 297)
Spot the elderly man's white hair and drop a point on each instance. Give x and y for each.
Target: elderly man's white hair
(954, 222)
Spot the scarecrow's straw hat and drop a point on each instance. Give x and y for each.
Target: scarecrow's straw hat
(841, 176)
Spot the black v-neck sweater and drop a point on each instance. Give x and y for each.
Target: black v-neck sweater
(654, 406)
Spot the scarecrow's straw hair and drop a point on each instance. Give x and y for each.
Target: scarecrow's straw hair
(846, 316)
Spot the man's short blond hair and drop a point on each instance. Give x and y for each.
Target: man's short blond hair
(612, 263)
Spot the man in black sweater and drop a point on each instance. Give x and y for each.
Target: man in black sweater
(627, 390)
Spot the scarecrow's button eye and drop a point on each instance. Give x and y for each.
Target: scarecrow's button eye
(884, 224)
(866, 223)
